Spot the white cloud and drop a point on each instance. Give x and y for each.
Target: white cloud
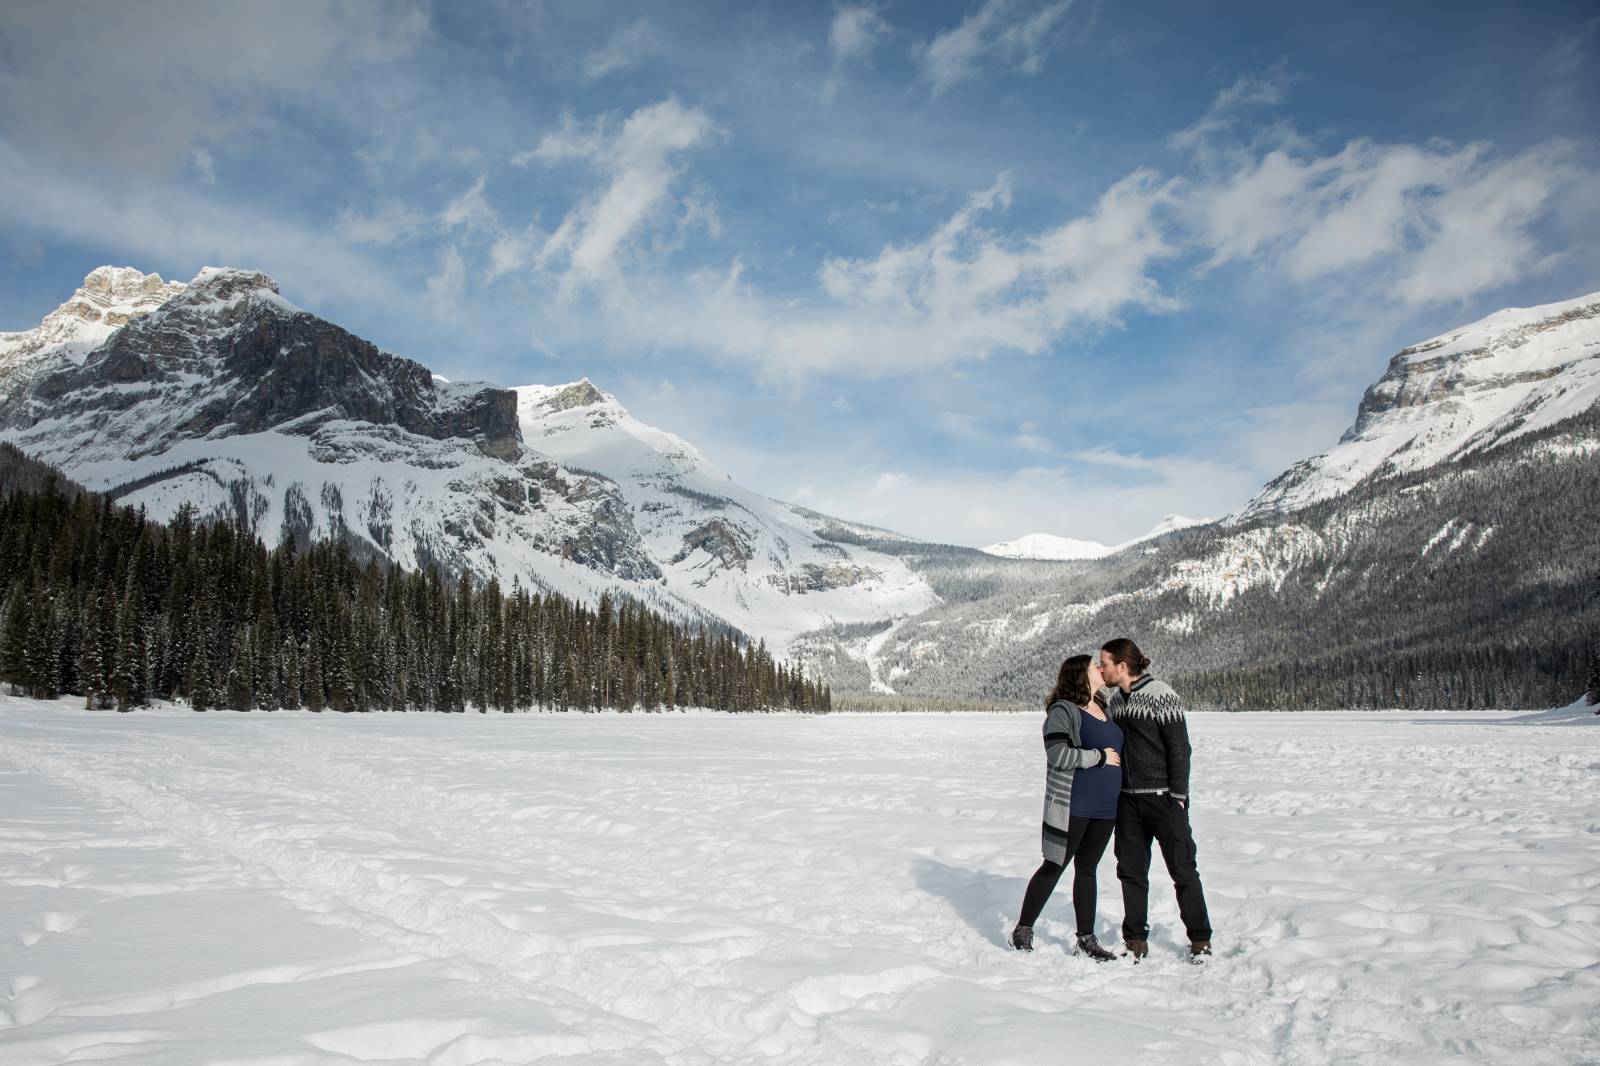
(390, 223)
(512, 252)
(852, 35)
(1032, 442)
(1478, 233)
(447, 283)
(1013, 32)
(963, 293)
(1564, 63)
(1249, 90)
(187, 228)
(976, 507)
(1413, 223)
(205, 167)
(627, 47)
(639, 162)
(1103, 456)
(470, 210)
(889, 482)
(127, 87)
(960, 425)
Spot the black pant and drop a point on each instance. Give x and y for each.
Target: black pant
(1086, 843)
(1163, 819)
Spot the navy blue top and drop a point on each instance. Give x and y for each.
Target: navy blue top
(1095, 789)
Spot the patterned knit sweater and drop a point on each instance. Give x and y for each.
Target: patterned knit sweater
(1155, 748)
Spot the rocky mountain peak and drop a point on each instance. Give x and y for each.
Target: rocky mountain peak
(1511, 373)
(109, 297)
(108, 286)
(581, 393)
(226, 283)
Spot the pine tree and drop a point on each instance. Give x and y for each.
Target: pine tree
(198, 682)
(286, 673)
(42, 653)
(128, 657)
(237, 689)
(92, 677)
(1593, 694)
(311, 686)
(14, 641)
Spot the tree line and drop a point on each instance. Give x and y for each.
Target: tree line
(98, 601)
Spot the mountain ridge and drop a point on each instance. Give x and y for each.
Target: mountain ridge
(229, 396)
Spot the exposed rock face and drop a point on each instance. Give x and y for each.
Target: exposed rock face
(719, 539)
(109, 298)
(268, 363)
(1507, 375)
(578, 394)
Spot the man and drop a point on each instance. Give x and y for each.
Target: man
(1155, 797)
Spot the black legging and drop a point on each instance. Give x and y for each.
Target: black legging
(1086, 843)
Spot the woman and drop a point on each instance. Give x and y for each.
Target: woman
(1083, 755)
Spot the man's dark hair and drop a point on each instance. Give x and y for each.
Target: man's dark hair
(1127, 653)
(1072, 683)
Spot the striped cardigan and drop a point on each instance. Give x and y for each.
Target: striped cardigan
(1063, 733)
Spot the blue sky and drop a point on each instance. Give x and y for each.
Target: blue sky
(968, 270)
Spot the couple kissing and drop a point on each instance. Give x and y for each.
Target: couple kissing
(1116, 746)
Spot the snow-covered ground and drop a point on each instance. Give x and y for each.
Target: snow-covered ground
(695, 889)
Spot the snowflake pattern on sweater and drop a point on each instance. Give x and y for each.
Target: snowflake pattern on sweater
(1156, 750)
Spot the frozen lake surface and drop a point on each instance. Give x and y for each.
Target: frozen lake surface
(280, 889)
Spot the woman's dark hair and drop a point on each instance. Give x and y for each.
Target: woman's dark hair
(1072, 683)
(1127, 653)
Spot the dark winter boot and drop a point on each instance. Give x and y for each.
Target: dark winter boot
(1088, 945)
(1137, 948)
(1022, 938)
(1199, 950)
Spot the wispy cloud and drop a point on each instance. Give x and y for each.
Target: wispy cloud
(1266, 89)
(629, 46)
(205, 167)
(470, 210)
(1432, 223)
(639, 162)
(445, 286)
(1564, 62)
(963, 293)
(1013, 33)
(852, 35)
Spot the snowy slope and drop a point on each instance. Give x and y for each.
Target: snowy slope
(1514, 372)
(1050, 546)
(761, 564)
(306, 890)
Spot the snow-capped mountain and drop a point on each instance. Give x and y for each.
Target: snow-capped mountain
(108, 298)
(1459, 572)
(1050, 546)
(760, 564)
(224, 395)
(1510, 374)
